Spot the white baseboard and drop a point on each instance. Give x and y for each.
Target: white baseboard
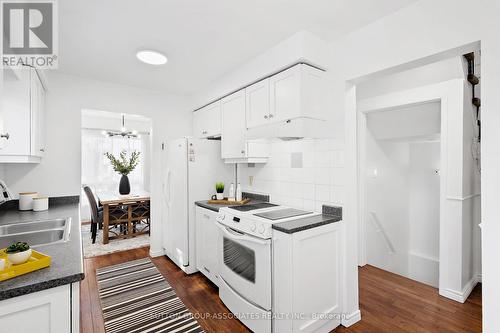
(461, 296)
(158, 253)
(479, 278)
(351, 318)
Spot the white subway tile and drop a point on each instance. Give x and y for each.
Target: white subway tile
(323, 176)
(322, 193)
(308, 191)
(308, 205)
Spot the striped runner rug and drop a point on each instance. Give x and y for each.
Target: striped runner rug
(136, 298)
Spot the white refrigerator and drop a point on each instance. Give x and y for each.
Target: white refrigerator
(190, 168)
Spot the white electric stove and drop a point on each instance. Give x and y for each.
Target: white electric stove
(257, 219)
(245, 259)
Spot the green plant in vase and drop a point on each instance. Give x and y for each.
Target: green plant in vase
(124, 165)
(219, 188)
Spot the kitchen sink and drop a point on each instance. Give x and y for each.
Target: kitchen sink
(35, 233)
(15, 228)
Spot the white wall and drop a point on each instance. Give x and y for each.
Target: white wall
(424, 210)
(419, 34)
(387, 196)
(59, 172)
(404, 196)
(304, 174)
(415, 121)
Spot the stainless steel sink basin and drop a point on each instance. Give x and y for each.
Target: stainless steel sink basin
(15, 228)
(35, 233)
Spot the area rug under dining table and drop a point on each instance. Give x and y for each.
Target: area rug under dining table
(135, 298)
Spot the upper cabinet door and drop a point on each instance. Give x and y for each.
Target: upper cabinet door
(257, 99)
(233, 125)
(15, 117)
(37, 101)
(285, 94)
(207, 121)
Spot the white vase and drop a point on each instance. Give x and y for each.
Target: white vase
(220, 196)
(19, 257)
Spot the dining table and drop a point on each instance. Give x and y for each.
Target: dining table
(110, 199)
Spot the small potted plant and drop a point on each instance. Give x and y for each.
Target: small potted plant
(18, 253)
(219, 188)
(124, 166)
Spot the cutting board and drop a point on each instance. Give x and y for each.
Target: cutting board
(225, 201)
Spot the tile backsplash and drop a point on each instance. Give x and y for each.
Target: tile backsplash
(304, 174)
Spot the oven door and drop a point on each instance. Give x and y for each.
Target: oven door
(245, 265)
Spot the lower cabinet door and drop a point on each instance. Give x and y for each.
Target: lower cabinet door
(46, 311)
(207, 244)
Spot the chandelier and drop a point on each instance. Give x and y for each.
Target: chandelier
(124, 132)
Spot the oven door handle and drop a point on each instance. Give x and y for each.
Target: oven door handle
(241, 236)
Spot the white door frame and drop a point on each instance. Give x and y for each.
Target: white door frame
(450, 95)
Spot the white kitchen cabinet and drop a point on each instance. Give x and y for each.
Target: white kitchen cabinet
(22, 116)
(207, 243)
(307, 278)
(207, 121)
(37, 102)
(47, 311)
(233, 125)
(235, 148)
(297, 92)
(257, 108)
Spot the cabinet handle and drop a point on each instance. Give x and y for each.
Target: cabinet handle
(42, 150)
(265, 117)
(6, 136)
(204, 132)
(206, 269)
(243, 152)
(270, 116)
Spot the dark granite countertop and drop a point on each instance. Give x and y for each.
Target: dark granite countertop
(305, 223)
(66, 257)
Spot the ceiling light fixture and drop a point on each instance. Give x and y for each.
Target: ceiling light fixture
(151, 57)
(123, 131)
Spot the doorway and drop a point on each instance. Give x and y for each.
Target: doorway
(402, 190)
(110, 141)
(415, 150)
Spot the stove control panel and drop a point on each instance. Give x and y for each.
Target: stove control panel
(248, 226)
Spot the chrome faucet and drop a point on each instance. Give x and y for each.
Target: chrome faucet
(5, 193)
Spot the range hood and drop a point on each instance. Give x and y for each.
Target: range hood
(292, 129)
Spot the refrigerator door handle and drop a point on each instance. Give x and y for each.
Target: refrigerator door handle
(166, 189)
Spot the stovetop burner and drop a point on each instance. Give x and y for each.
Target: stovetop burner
(282, 213)
(246, 208)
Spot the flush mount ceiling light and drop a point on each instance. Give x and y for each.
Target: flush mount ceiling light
(151, 57)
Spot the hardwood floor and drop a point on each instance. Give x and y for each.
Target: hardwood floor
(388, 302)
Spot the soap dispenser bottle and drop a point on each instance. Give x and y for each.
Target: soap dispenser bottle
(231, 192)
(238, 192)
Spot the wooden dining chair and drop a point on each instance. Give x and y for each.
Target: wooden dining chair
(117, 215)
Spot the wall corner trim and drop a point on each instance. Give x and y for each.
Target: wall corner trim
(351, 318)
(461, 296)
(155, 254)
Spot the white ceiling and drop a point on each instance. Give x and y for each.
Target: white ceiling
(202, 39)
